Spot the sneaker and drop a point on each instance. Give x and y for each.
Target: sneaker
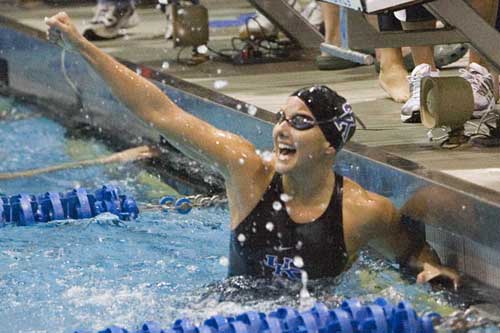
(259, 27)
(410, 112)
(108, 20)
(482, 84)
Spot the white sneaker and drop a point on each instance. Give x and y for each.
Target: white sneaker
(259, 27)
(483, 87)
(410, 112)
(108, 20)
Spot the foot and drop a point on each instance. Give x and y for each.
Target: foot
(108, 20)
(482, 85)
(394, 81)
(410, 112)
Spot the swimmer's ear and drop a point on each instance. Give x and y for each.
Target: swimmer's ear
(331, 150)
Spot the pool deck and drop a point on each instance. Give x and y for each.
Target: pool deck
(267, 86)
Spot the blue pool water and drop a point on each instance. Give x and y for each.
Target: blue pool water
(61, 276)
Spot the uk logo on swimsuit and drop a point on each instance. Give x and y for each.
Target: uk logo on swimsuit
(286, 269)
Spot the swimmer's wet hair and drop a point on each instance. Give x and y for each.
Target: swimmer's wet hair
(325, 104)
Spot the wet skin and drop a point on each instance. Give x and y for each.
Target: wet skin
(306, 163)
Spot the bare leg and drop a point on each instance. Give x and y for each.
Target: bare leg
(392, 77)
(422, 54)
(488, 10)
(332, 27)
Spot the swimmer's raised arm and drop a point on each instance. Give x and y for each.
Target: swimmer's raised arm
(191, 135)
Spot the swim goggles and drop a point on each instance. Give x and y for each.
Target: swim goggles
(299, 121)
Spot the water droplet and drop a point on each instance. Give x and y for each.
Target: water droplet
(298, 261)
(277, 206)
(241, 161)
(223, 261)
(299, 245)
(267, 156)
(203, 49)
(270, 226)
(285, 197)
(238, 106)
(252, 110)
(165, 65)
(219, 84)
(241, 238)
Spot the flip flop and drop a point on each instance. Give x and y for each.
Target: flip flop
(328, 63)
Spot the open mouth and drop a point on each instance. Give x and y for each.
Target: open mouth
(285, 151)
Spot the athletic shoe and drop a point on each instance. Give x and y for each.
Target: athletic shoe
(483, 88)
(108, 20)
(410, 112)
(259, 27)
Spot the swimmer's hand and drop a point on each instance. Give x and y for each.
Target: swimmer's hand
(433, 271)
(63, 32)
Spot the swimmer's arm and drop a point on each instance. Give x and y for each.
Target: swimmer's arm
(395, 241)
(193, 136)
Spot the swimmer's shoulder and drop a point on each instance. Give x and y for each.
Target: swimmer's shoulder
(370, 207)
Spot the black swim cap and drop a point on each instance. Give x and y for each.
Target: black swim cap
(326, 104)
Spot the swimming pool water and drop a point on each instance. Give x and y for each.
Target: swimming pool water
(65, 275)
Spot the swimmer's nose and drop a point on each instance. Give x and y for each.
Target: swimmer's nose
(283, 130)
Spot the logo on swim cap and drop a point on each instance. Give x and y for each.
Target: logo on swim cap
(345, 122)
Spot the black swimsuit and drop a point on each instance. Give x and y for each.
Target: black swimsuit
(269, 243)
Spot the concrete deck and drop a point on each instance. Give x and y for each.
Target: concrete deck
(267, 86)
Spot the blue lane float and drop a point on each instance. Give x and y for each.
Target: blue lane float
(25, 209)
(352, 317)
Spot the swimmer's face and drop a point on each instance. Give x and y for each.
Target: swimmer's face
(297, 149)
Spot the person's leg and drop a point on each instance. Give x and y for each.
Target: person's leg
(111, 16)
(422, 54)
(488, 10)
(392, 75)
(332, 27)
(332, 36)
(417, 18)
(479, 72)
